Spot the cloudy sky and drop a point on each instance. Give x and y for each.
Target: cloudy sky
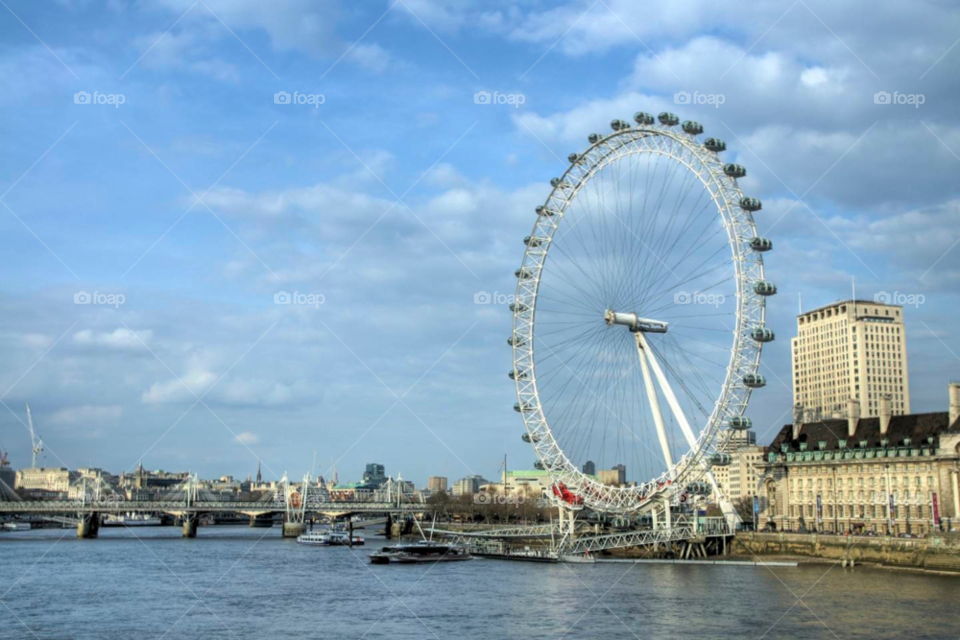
(397, 199)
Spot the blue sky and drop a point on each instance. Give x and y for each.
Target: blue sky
(296, 198)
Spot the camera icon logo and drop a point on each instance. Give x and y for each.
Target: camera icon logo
(81, 97)
(481, 498)
(681, 97)
(281, 297)
(481, 97)
(682, 297)
(881, 97)
(883, 297)
(81, 297)
(281, 97)
(481, 297)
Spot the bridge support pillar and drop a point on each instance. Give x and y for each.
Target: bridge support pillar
(190, 526)
(89, 526)
(388, 527)
(293, 529)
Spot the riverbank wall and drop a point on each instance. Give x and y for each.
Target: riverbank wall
(940, 552)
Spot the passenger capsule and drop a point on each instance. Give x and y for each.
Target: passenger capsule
(619, 125)
(526, 438)
(518, 307)
(522, 409)
(668, 119)
(523, 274)
(750, 204)
(698, 488)
(691, 127)
(516, 342)
(643, 118)
(594, 138)
(557, 182)
(715, 144)
(761, 244)
(761, 334)
(544, 211)
(517, 375)
(754, 381)
(734, 170)
(538, 465)
(765, 288)
(720, 459)
(739, 423)
(573, 158)
(534, 241)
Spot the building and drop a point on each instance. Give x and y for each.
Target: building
(589, 468)
(469, 485)
(616, 477)
(892, 474)
(437, 484)
(852, 349)
(53, 479)
(741, 478)
(375, 474)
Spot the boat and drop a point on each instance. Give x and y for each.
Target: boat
(424, 551)
(131, 520)
(585, 558)
(331, 538)
(15, 526)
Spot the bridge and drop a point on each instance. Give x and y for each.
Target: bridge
(296, 502)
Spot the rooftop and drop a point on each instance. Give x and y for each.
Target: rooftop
(918, 427)
(851, 301)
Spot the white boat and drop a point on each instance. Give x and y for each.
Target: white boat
(586, 558)
(15, 526)
(132, 520)
(330, 538)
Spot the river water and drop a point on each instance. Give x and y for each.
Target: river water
(238, 582)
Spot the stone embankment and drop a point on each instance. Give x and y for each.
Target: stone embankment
(940, 552)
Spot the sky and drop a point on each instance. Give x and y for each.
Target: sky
(183, 163)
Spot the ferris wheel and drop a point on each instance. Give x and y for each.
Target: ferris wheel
(638, 319)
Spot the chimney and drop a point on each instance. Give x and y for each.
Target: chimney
(797, 420)
(954, 402)
(884, 414)
(853, 417)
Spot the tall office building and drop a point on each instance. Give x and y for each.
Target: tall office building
(374, 474)
(437, 484)
(590, 468)
(850, 350)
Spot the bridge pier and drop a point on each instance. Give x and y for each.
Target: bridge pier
(89, 526)
(190, 526)
(293, 529)
(388, 526)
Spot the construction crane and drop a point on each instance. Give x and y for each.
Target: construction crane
(37, 442)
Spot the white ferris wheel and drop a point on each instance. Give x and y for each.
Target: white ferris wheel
(638, 319)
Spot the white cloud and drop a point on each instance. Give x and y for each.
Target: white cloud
(87, 414)
(121, 339)
(248, 438)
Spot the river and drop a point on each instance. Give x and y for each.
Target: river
(238, 582)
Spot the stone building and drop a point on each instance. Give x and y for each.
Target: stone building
(851, 349)
(741, 478)
(892, 474)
